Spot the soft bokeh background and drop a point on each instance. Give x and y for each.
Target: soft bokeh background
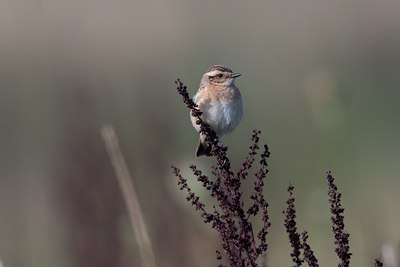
(321, 79)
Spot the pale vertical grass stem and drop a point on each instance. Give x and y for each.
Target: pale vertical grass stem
(129, 195)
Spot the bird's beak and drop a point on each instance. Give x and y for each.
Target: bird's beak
(235, 75)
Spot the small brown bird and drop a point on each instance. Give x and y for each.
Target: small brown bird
(220, 101)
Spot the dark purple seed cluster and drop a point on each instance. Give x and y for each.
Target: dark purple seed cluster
(291, 229)
(341, 237)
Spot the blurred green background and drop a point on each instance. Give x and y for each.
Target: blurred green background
(321, 79)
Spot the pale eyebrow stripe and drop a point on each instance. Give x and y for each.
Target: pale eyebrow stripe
(213, 73)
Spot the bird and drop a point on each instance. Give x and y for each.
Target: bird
(220, 102)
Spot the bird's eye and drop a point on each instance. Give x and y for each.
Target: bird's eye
(220, 75)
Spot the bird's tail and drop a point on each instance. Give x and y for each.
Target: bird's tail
(203, 149)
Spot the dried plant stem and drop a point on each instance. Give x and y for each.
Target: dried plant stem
(129, 195)
(230, 218)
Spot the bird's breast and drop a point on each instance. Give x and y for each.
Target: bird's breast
(224, 115)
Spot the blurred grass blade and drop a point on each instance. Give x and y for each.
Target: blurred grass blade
(129, 195)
